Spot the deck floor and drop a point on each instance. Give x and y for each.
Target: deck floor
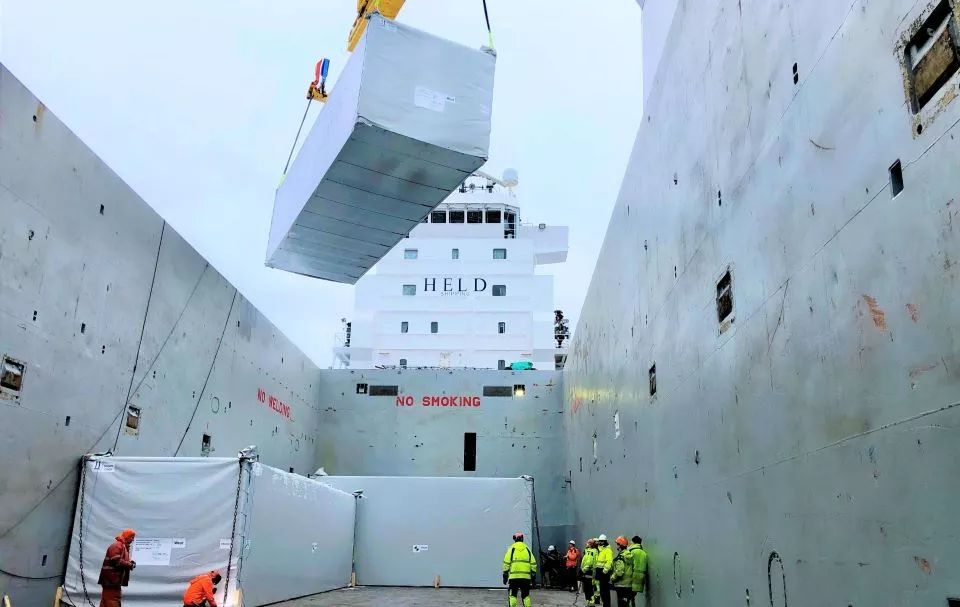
(429, 597)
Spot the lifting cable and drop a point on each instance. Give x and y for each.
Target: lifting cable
(297, 138)
(486, 16)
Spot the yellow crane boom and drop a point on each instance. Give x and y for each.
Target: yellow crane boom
(387, 8)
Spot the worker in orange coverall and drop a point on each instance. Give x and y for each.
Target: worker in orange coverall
(201, 590)
(116, 568)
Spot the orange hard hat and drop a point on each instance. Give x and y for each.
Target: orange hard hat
(622, 542)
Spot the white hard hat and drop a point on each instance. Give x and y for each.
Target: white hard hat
(551, 547)
(602, 538)
(573, 542)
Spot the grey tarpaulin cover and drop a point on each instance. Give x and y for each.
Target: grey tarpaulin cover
(406, 123)
(183, 512)
(301, 538)
(412, 529)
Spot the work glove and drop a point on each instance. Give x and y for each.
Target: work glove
(504, 577)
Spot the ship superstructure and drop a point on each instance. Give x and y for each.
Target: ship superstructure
(462, 289)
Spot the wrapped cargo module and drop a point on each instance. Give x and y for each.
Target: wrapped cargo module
(272, 535)
(407, 121)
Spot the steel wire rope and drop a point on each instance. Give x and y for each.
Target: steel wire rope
(104, 433)
(213, 363)
(166, 340)
(297, 138)
(486, 16)
(143, 329)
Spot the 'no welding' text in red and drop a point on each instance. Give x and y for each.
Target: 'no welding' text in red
(274, 403)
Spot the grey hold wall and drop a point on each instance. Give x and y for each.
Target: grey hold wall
(364, 435)
(806, 450)
(100, 298)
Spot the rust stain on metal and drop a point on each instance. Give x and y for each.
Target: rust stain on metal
(576, 404)
(920, 369)
(726, 325)
(879, 317)
(912, 310)
(923, 564)
(947, 98)
(38, 114)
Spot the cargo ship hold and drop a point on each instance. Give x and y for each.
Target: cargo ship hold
(763, 381)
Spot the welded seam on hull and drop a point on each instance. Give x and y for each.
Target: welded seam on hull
(841, 441)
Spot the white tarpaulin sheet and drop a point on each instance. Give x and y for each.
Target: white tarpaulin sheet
(301, 538)
(412, 529)
(183, 510)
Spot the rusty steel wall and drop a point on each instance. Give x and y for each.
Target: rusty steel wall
(364, 435)
(92, 282)
(806, 449)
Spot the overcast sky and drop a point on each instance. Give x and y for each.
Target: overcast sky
(195, 104)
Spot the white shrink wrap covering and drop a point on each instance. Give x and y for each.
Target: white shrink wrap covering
(412, 529)
(282, 535)
(407, 121)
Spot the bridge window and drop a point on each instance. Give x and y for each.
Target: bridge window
(438, 217)
(474, 216)
(494, 216)
(456, 216)
(410, 253)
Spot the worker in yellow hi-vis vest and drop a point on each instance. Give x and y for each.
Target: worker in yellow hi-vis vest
(519, 571)
(604, 568)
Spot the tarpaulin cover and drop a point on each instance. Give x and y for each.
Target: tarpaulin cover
(301, 538)
(412, 529)
(292, 537)
(406, 123)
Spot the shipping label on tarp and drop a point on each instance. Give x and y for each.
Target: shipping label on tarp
(152, 551)
(102, 466)
(420, 547)
(431, 100)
